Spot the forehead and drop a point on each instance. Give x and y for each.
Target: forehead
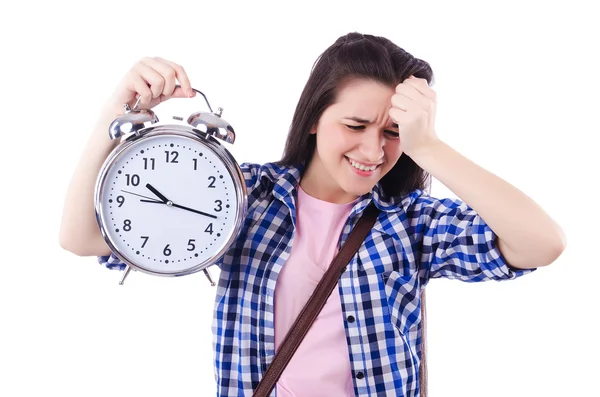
(364, 94)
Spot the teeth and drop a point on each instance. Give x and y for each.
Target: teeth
(362, 167)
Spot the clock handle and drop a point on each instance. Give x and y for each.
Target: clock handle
(137, 102)
(207, 274)
(127, 270)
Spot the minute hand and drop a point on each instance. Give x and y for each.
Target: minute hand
(193, 210)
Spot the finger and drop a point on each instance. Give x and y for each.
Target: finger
(140, 86)
(401, 101)
(179, 92)
(421, 86)
(152, 77)
(165, 71)
(181, 76)
(398, 115)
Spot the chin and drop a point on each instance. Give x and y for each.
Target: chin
(356, 189)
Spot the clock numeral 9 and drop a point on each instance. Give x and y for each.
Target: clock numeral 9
(191, 245)
(133, 179)
(127, 225)
(167, 250)
(120, 200)
(212, 180)
(172, 156)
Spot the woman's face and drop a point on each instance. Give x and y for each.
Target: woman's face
(357, 143)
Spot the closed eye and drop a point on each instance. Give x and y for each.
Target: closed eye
(355, 127)
(390, 133)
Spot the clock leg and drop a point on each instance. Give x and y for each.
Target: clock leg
(127, 270)
(212, 283)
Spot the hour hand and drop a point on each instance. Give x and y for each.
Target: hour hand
(157, 193)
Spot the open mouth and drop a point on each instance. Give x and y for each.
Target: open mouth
(361, 169)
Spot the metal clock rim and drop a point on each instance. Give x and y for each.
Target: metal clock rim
(220, 151)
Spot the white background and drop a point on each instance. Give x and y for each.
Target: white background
(517, 92)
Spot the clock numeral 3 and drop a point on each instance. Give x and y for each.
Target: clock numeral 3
(133, 179)
(172, 156)
(219, 204)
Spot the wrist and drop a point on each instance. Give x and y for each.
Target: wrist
(427, 151)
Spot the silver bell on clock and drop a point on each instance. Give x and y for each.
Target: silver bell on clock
(170, 199)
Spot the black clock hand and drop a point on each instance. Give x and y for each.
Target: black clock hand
(193, 210)
(180, 206)
(157, 193)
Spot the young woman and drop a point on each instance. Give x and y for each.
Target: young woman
(363, 132)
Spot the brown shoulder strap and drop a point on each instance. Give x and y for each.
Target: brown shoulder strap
(423, 390)
(316, 302)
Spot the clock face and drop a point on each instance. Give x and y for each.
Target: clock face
(168, 203)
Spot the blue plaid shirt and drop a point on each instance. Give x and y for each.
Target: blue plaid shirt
(415, 238)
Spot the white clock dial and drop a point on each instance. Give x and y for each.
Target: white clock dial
(168, 203)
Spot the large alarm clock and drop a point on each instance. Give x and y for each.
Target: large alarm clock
(170, 199)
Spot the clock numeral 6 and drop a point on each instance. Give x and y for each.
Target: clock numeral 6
(191, 245)
(167, 250)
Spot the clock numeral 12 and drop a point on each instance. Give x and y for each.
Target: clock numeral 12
(174, 153)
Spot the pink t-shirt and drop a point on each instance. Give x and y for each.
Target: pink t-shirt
(321, 365)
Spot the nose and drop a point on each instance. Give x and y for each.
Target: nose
(372, 146)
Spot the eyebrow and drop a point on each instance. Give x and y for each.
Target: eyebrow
(364, 121)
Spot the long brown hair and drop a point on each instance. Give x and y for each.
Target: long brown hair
(362, 56)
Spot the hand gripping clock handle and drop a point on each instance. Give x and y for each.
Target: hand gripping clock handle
(137, 102)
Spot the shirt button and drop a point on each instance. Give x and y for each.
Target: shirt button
(350, 319)
(360, 375)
